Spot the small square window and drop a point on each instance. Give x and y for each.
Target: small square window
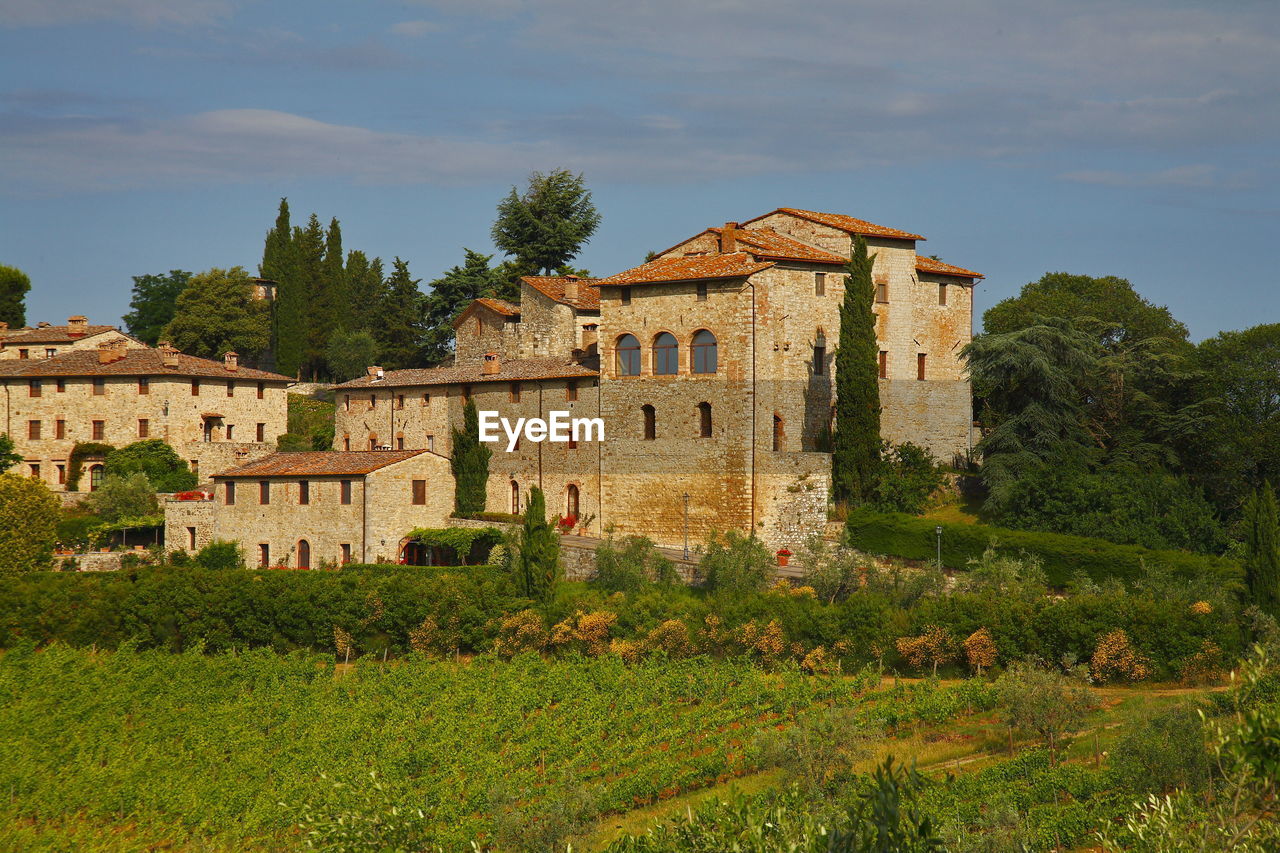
(99, 386)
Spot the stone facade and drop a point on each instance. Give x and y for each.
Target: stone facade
(46, 340)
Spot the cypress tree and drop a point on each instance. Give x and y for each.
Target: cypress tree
(366, 289)
(470, 464)
(279, 263)
(399, 325)
(332, 304)
(538, 564)
(855, 444)
(1262, 547)
(309, 253)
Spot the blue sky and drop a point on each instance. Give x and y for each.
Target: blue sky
(1130, 138)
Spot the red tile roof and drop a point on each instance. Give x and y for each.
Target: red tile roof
(510, 370)
(321, 463)
(694, 268)
(767, 243)
(135, 362)
(51, 335)
(844, 223)
(500, 305)
(552, 287)
(931, 265)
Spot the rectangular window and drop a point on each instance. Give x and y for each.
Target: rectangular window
(191, 538)
(373, 443)
(920, 358)
(35, 470)
(419, 492)
(50, 352)
(195, 467)
(819, 360)
(431, 443)
(573, 443)
(144, 428)
(61, 386)
(426, 399)
(33, 430)
(399, 401)
(261, 433)
(99, 430)
(571, 391)
(59, 429)
(195, 387)
(22, 353)
(144, 385)
(262, 388)
(884, 364)
(346, 443)
(702, 291)
(515, 392)
(346, 402)
(304, 492)
(264, 555)
(62, 474)
(882, 290)
(819, 284)
(399, 442)
(373, 401)
(99, 386)
(346, 552)
(230, 429)
(231, 389)
(942, 294)
(35, 388)
(626, 295)
(231, 493)
(345, 491)
(264, 492)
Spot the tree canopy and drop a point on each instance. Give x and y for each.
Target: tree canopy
(154, 458)
(154, 302)
(14, 285)
(29, 515)
(8, 457)
(546, 226)
(218, 313)
(449, 296)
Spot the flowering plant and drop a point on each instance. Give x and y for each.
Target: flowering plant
(783, 552)
(567, 523)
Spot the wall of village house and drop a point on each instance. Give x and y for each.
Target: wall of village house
(942, 331)
(13, 349)
(181, 518)
(393, 514)
(548, 328)
(483, 331)
(171, 411)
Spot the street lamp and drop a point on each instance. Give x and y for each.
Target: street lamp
(937, 531)
(686, 527)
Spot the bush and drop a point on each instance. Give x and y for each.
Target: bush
(738, 564)
(153, 458)
(633, 565)
(220, 555)
(1062, 556)
(29, 516)
(908, 477)
(123, 496)
(1162, 751)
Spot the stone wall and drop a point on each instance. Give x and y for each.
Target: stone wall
(188, 525)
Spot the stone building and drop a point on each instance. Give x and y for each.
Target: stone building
(215, 414)
(46, 341)
(308, 509)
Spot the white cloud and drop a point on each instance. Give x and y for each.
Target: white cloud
(415, 29)
(151, 13)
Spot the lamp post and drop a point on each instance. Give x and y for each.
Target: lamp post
(686, 527)
(937, 531)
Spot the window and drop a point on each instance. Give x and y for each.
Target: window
(704, 420)
(346, 443)
(144, 385)
(33, 430)
(99, 431)
(35, 388)
(820, 354)
(260, 435)
(426, 399)
(95, 477)
(571, 501)
(195, 387)
(373, 401)
(650, 422)
(346, 552)
(304, 492)
(884, 364)
(778, 435)
(419, 492)
(22, 353)
(231, 493)
(262, 388)
(572, 444)
(399, 401)
(431, 443)
(35, 470)
(344, 491)
(144, 428)
(479, 326)
(61, 386)
(62, 474)
(264, 492)
(304, 554)
(230, 429)
(195, 467)
(231, 388)
(819, 284)
(400, 441)
(666, 355)
(942, 294)
(60, 429)
(628, 351)
(625, 291)
(346, 402)
(882, 290)
(466, 393)
(264, 555)
(920, 359)
(704, 352)
(50, 352)
(99, 386)
(702, 291)
(571, 391)
(515, 498)
(373, 442)
(191, 538)
(515, 392)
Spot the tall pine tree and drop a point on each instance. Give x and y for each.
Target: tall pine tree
(279, 263)
(470, 464)
(449, 295)
(399, 326)
(855, 452)
(309, 253)
(1262, 547)
(367, 290)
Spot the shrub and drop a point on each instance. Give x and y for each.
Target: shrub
(1047, 703)
(583, 632)
(1115, 658)
(834, 573)
(220, 555)
(1203, 667)
(153, 458)
(736, 564)
(908, 477)
(934, 647)
(980, 650)
(123, 496)
(29, 515)
(520, 632)
(633, 565)
(671, 638)
(1162, 751)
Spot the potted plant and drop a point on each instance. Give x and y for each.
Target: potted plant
(784, 556)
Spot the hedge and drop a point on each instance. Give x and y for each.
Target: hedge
(898, 535)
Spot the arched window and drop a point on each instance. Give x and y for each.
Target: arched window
(515, 498)
(704, 420)
(95, 477)
(704, 352)
(571, 501)
(304, 554)
(778, 434)
(650, 422)
(628, 349)
(666, 355)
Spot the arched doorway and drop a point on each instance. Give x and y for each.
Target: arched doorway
(515, 498)
(304, 554)
(571, 502)
(95, 477)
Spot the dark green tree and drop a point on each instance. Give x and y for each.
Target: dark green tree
(8, 458)
(1262, 547)
(29, 515)
(349, 353)
(400, 326)
(279, 263)
(546, 226)
(122, 496)
(331, 305)
(153, 457)
(154, 301)
(855, 444)
(367, 290)
(217, 313)
(470, 464)
(308, 244)
(14, 285)
(538, 560)
(450, 295)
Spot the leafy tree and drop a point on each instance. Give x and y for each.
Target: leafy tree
(1049, 704)
(546, 226)
(631, 565)
(470, 464)
(217, 313)
(450, 294)
(1163, 751)
(154, 302)
(737, 564)
(279, 263)
(1262, 547)
(162, 466)
(855, 453)
(907, 477)
(8, 458)
(400, 325)
(220, 555)
(29, 515)
(14, 285)
(349, 353)
(123, 496)
(538, 557)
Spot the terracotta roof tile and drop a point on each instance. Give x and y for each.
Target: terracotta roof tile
(136, 362)
(845, 223)
(937, 267)
(694, 268)
(767, 243)
(500, 305)
(552, 287)
(321, 463)
(510, 370)
(52, 335)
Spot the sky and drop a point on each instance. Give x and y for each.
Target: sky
(1136, 139)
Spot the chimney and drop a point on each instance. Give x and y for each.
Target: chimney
(729, 238)
(492, 365)
(375, 373)
(231, 360)
(168, 354)
(589, 335)
(77, 326)
(571, 288)
(110, 351)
